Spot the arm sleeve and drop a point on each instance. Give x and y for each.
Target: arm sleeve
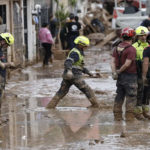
(146, 52)
(49, 37)
(86, 71)
(132, 54)
(73, 58)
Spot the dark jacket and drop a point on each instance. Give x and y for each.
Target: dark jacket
(2, 59)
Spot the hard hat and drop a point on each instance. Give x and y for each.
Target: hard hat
(128, 32)
(82, 40)
(8, 38)
(141, 30)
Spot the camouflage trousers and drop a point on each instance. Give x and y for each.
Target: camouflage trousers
(126, 88)
(79, 83)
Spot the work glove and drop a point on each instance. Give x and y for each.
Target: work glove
(69, 74)
(86, 71)
(115, 75)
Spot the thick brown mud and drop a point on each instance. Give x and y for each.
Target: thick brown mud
(25, 124)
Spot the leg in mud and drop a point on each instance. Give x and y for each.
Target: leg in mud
(65, 86)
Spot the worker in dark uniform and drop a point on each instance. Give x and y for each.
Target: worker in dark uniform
(73, 69)
(6, 39)
(140, 45)
(72, 30)
(146, 82)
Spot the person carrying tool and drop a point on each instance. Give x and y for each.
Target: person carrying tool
(124, 71)
(140, 45)
(6, 39)
(73, 69)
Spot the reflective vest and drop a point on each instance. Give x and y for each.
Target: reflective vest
(139, 46)
(79, 63)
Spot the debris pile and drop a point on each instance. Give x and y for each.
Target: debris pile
(98, 25)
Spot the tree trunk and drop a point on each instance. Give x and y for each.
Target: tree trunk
(59, 41)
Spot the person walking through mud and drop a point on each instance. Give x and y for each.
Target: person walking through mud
(46, 39)
(141, 110)
(6, 39)
(73, 69)
(124, 71)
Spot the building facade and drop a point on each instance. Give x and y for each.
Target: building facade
(23, 19)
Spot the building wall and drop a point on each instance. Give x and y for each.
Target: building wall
(31, 33)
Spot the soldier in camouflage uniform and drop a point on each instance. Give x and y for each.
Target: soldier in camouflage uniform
(124, 71)
(74, 67)
(6, 39)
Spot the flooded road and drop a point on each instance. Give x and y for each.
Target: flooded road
(27, 125)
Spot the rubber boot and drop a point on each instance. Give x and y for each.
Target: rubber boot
(146, 111)
(117, 110)
(93, 102)
(118, 116)
(138, 112)
(130, 116)
(52, 104)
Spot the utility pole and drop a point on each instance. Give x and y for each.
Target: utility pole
(148, 7)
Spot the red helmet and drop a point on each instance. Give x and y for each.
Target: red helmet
(128, 32)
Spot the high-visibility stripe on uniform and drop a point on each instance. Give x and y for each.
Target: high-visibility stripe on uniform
(81, 57)
(140, 46)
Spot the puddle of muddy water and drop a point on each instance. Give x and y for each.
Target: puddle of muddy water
(33, 127)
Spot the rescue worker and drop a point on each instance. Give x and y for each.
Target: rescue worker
(6, 39)
(146, 23)
(146, 82)
(73, 69)
(140, 45)
(123, 67)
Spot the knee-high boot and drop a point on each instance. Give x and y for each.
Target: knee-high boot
(52, 104)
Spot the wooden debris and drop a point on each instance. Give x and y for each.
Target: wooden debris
(95, 38)
(107, 39)
(88, 22)
(94, 33)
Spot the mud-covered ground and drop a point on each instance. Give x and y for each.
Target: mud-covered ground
(27, 125)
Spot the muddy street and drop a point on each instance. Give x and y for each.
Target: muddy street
(27, 125)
